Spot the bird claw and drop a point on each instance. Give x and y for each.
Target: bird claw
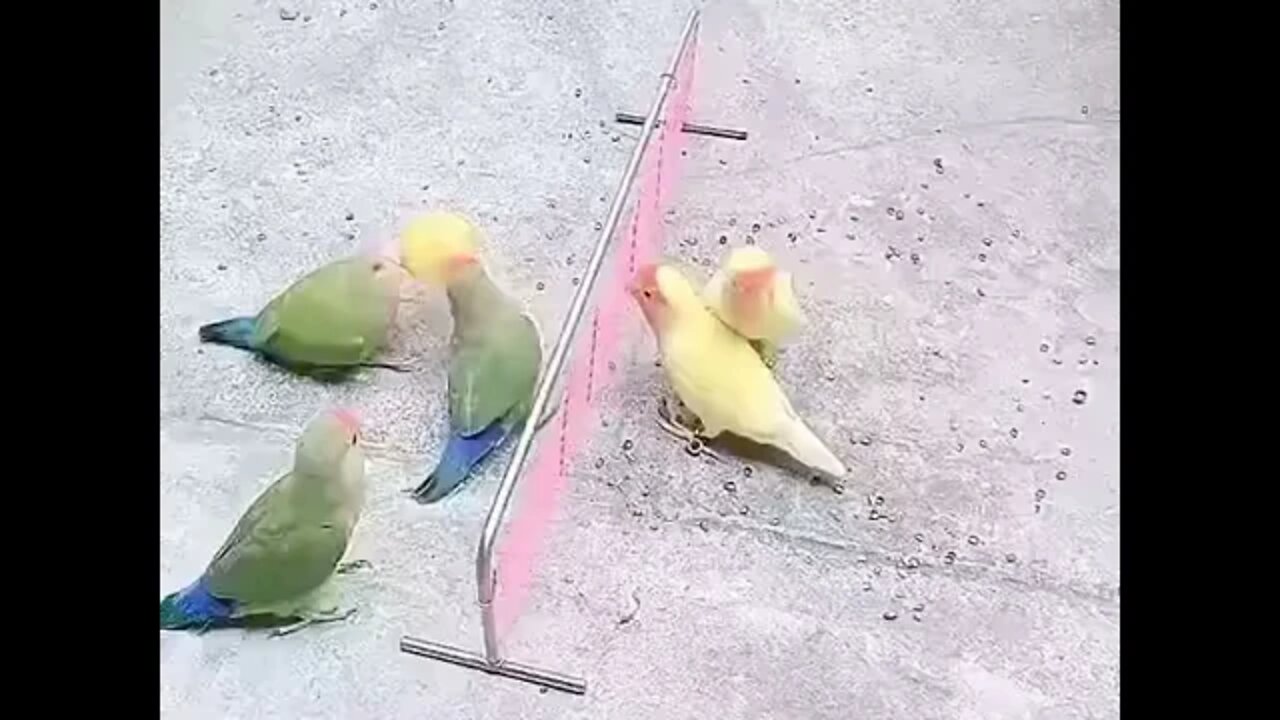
(400, 366)
(314, 619)
(354, 565)
(695, 444)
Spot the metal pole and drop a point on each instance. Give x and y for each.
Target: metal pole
(486, 580)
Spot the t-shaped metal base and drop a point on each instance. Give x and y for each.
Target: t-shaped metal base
(505, 668)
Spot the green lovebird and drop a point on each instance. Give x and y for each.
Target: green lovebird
(328, 323)
(495, 351)
(279, 560)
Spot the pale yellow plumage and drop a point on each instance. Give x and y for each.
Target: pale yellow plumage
(719, 376)
(770, 314)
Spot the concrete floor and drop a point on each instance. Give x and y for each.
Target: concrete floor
(971, 568)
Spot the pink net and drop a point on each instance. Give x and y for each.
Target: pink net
(596, 351)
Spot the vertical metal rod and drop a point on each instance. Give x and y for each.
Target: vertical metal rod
(486, 580)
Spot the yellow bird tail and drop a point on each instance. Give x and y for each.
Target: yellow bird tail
(799, 441)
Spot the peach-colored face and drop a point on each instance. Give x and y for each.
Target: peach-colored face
(455, 264)
(350, 422)
(644, 288)
(750, 282)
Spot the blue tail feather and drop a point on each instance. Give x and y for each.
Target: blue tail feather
(236, 332)
(461, 456)
(194, 607)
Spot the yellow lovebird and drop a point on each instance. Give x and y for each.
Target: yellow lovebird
(755, 298)
(718, 375)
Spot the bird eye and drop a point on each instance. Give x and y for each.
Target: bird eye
(377, 266)
(648, 294)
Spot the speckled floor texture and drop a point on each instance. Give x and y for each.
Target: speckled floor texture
(942, 178)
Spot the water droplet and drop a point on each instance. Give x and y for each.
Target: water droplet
(1010, 558)
(733, 222)
(890, 615)
(982, 257)
(575, 281)
(744, 510)
(1084, 109)
(1019, 407)
(221, 266)
(899, 215)
(599, 463)
(920, 211)
(982, 444)
(913, 563)
(702, 525)
(288, 14)
(730, 486)
(262, 237)
(986, 241)
(627, 445)
(724, 239)
(1079, 396)
(950, 557)
(755, 227)
(915, 260)
(577, 92)
(1091, 340)
(1066, 452)
(890, 211)
(973, 540)
(1040, 494)
(1013, 432)
(541, 285)
(1044, 347)
(1061, 475)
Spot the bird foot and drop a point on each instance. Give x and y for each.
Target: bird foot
(400, 366)
(315, 618)
(547, 415)
(695, 442)
(354, 565)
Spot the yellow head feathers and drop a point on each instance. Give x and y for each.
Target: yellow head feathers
(748, 258)
(432, 246)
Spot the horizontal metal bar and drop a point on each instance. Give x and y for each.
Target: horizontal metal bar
(691, 128)
(505, 668)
